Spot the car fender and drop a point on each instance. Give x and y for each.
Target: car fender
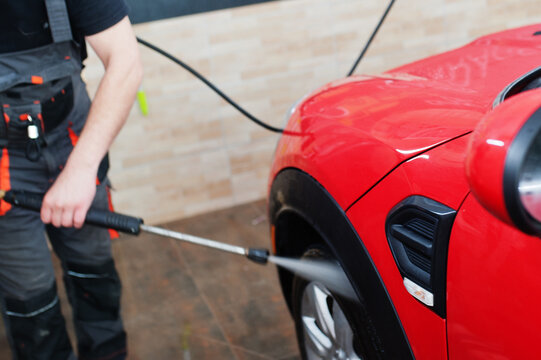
(295, 195)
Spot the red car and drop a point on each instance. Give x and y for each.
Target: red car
(424, 184)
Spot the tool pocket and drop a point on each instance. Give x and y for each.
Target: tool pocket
(20, 117)
(56, 99)
(57, 108)
(25, 128)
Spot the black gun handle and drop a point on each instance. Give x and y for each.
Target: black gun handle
(24, 199)
(101, 218)
(112, 220)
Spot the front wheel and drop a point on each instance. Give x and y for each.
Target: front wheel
(329, 326)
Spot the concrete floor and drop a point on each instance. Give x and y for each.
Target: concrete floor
(181, 298)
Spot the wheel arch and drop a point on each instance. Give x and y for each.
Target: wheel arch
(303, 213)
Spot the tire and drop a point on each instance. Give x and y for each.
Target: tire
(328, 325)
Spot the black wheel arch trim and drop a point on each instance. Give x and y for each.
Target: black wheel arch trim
(294, 190)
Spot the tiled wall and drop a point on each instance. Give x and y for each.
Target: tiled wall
(193, 153)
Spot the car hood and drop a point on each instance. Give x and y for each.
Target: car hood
(352, 132)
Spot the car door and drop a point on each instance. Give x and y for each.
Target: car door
(493, 288)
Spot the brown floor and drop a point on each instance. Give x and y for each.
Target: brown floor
(181, 298)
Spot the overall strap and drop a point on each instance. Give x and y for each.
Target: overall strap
(58, 20)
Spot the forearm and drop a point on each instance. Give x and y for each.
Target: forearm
(108, 112)
(68, 200)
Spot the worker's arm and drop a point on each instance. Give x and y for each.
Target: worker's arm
(68, 200)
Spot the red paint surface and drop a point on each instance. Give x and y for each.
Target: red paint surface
(351, 133)
(447, 184)
(493, 287)
(486, 156)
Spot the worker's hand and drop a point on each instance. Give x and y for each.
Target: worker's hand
(68, 200)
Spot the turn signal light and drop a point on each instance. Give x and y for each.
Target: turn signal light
(421, 294)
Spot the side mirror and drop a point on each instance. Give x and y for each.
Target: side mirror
(503, 165)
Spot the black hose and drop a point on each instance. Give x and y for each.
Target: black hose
(210, 85)
(371, 38)
(233, 103)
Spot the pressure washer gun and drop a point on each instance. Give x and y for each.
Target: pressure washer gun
(134, 225)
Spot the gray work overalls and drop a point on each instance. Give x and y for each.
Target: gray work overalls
(44, 106)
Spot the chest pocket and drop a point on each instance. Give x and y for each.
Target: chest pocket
(45, 106)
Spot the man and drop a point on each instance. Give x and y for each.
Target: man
(53, 140)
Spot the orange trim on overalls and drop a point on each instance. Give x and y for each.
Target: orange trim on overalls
(5, 181)
(37, 80)
(41, 122)
(72, 135)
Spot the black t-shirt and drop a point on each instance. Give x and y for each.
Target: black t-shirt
(24, 23)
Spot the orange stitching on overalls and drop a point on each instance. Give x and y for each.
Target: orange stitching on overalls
(72, 135)
(38, 80)
(41, 122)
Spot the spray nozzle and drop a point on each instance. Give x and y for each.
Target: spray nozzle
(260, 256)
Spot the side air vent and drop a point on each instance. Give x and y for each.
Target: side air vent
(422, 262)
(426, 228)
(418, 232)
